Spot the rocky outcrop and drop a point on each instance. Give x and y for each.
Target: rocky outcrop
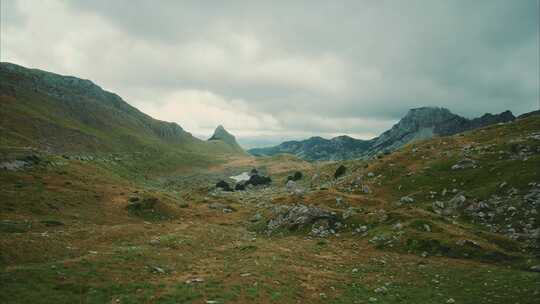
(427, 122)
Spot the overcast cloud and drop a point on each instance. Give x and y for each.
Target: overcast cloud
(276, 70)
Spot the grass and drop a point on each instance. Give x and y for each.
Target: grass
(103, 253)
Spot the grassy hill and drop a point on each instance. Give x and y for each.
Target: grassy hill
(66, 115)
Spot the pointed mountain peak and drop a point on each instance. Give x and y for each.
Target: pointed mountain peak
(221, 134)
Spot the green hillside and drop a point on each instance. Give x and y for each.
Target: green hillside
(66, 115)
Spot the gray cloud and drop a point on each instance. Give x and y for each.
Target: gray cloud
(286, 69)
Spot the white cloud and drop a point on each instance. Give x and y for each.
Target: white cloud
(279, 70)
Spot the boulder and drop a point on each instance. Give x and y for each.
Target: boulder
(291, 186)
(295, 177)
(223, 185)
(406, 200)
(465, 164)
(257, 180)
(240, 187)
(299, 217)
(340, 171)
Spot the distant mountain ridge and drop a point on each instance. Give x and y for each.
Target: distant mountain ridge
(66, 114)
(318, 148)
(418, 123)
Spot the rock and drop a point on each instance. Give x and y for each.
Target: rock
(468, 243)
(348, 213)
(146, 203)
(255, 218)
(223, 185)
(340, 171)
(398, 226)
(291, 186)
(406, 200)
(194, 280)
(365, 189)
(465, 164)
(258, 180)
(535, 268)
(132, 199)
(296, 176)
(450, 301)
(371, 175)
(438, 205)
(298, 217)
(222, 207)
(457, 201)
(158, 270)
(322, 228)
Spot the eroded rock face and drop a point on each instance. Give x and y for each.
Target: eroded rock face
(301, 216)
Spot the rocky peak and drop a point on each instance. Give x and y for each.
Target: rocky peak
(221, 134)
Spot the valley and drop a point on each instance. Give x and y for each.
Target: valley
(407, 227)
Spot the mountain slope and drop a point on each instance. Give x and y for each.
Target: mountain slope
(64, 114)
(420, 123)
(427, 122)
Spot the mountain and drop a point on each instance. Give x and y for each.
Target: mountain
(419, 123)
(318, 148)
(220, 134)
(428, 122)
(64, 114)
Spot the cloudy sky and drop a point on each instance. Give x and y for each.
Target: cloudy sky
(275, 70)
